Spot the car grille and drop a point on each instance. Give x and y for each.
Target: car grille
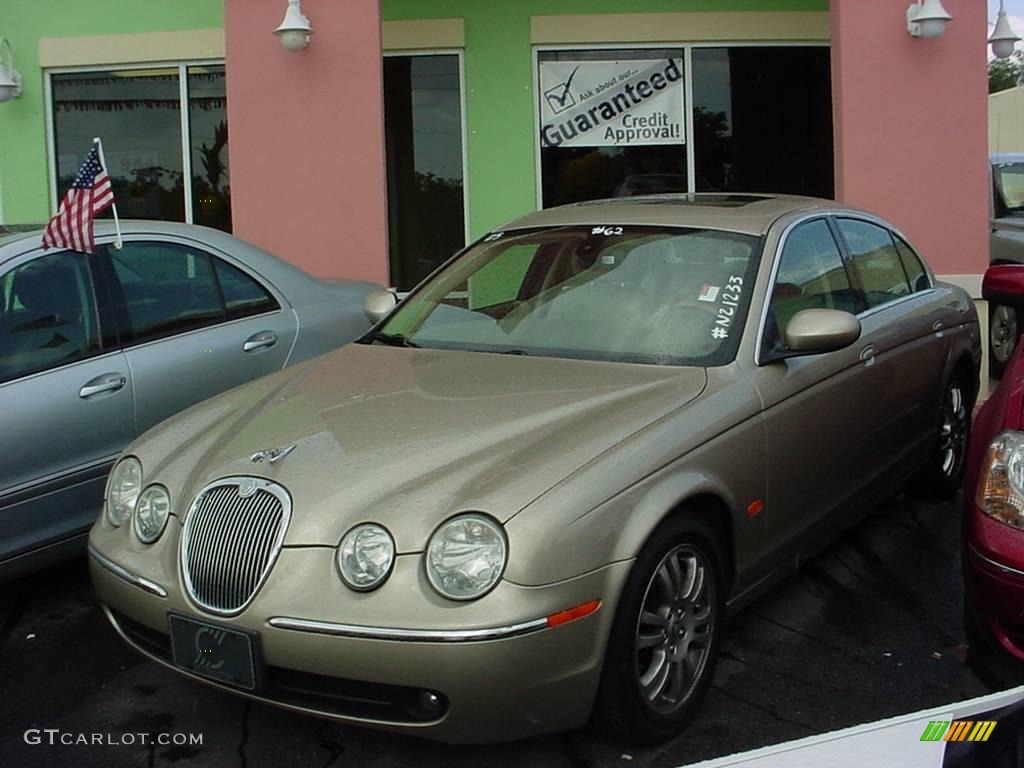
(232, 536)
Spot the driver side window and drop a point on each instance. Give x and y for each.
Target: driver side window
(811, 275)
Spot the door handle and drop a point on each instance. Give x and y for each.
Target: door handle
(868, 353)
(108, 382)
(260, 340)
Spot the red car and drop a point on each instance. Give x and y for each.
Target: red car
(994, 506)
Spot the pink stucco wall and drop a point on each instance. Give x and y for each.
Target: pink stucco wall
(307, 136)
(911, 126)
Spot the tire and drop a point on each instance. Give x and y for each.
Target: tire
(941, 476)
(1003, 337)
(657, 670)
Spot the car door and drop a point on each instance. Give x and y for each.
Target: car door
(903, 337)
(65, 399)
(195, 323)
(821, 412)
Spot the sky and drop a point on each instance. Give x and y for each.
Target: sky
(1015, 13)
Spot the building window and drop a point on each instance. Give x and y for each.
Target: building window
(423, 136)
(138, 114)
(762, 120)
(616, 123)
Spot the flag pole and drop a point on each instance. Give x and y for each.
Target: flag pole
(117, 222)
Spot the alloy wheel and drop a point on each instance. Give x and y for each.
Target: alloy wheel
(675, 629)
(953, 435)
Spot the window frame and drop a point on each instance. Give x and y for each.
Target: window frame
(687, 49)
(852, 267)
(106, 331)
(182, 66)
(763, 354)
(117, 302)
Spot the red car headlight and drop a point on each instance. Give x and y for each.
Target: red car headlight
(1001, 481)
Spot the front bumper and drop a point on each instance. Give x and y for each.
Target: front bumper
(996, 595)
(327, 651)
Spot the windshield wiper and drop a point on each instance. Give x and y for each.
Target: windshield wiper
(394, 340)
(515, 352)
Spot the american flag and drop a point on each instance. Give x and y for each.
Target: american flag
(89, 195)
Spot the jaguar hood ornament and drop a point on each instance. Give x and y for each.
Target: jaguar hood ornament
(272, 455)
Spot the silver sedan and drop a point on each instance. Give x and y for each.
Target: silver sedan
(95, 350)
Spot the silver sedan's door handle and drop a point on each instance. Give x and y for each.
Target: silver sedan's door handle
(868, 353)
(259, 341)
(108, 382)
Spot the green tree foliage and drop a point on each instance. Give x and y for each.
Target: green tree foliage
(1006, 73)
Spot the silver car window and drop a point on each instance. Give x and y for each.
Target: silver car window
(627, 293)
(47, 315)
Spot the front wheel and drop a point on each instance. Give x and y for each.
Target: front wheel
(943, 472)
(665, 637)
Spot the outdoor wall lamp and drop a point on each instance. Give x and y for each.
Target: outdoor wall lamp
(10, 78)
(927, 19)
(1003, 38)
(295, 29)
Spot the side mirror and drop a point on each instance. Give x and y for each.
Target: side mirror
(1004, 285)
(812, 331)
(378, 304)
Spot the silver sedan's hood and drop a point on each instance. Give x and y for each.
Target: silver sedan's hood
(407, 437)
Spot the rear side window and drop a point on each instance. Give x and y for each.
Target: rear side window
(166, 288)
(243, 296)
(47, 315)
(811, 275)
(876, 262)
(916, 274)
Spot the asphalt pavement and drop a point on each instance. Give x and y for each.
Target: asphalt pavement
(869, 629)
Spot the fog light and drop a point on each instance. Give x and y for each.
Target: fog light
(427, 705)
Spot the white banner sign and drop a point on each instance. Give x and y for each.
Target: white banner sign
(611, 103)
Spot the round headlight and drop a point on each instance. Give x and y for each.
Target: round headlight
(365, 557)
(123, 490)
(151, 512)
(466, 556)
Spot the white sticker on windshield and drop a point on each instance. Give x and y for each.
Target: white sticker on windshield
(606, 231)
(708, 293)
(494, 236)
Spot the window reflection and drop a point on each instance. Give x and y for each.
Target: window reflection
(208, 128)
(423, 133)
(763, 120)
(138, 116)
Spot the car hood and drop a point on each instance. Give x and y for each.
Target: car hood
(408, 437)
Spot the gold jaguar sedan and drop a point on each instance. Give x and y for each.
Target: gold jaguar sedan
(530, 495)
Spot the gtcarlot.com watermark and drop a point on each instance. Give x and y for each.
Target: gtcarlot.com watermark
(55, 736)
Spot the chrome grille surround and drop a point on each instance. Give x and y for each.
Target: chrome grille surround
(232, 536)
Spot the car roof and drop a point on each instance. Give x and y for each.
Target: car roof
(1008, 157)
(747, 213)
(20, 239)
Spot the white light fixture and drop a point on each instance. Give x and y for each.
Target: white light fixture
(1003, 38)
(10, 78)
(294, 30)
(927, 19)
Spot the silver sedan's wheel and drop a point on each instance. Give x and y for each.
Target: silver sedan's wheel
(673, 631)
(1002, 336)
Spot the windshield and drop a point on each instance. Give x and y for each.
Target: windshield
(1009, 179)
(663, 295)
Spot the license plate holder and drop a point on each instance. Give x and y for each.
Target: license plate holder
(213, 651)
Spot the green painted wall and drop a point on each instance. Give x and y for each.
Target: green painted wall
(23, 164)
(499, 100)
(499, 84)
